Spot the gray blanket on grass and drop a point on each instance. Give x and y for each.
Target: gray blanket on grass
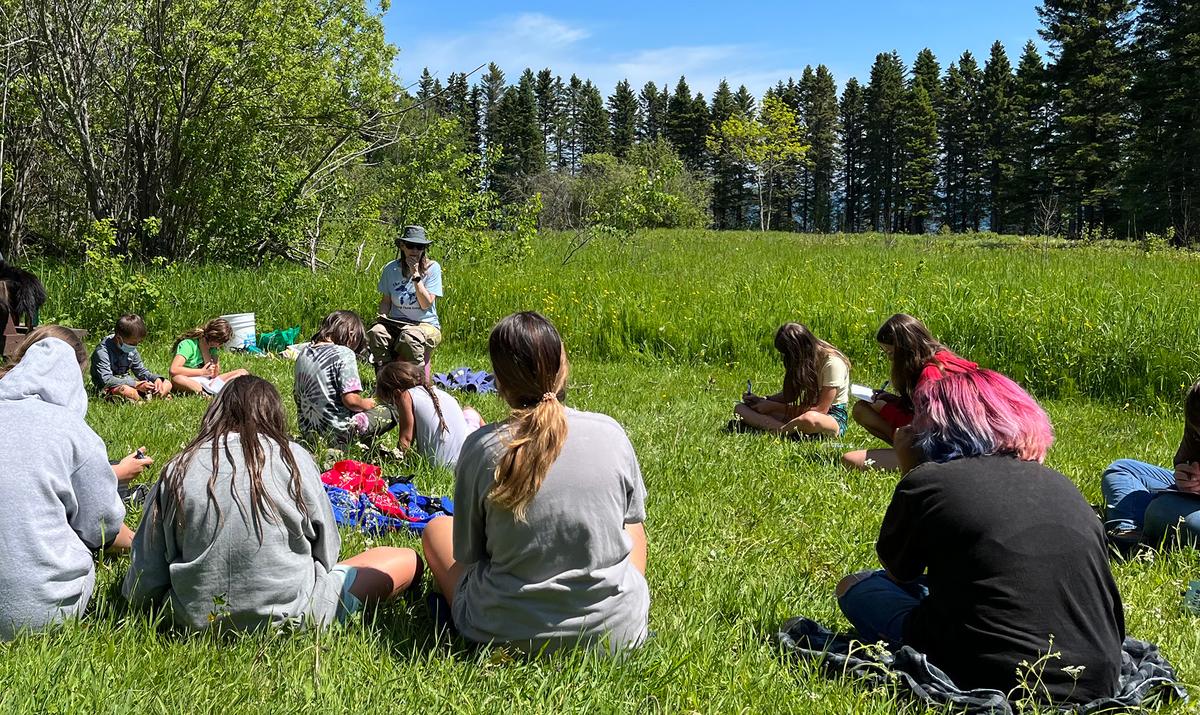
(1147, 679)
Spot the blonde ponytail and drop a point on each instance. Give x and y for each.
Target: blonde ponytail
(538, 435)
(531, 369)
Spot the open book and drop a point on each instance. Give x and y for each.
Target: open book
(862, 392)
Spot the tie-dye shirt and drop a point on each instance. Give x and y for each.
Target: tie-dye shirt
(325, 372)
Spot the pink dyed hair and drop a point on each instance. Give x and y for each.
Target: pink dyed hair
(978, 413)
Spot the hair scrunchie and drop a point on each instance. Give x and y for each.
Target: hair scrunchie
(549, 397)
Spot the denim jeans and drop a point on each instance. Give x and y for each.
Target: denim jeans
(1130, 503)
(878, 606)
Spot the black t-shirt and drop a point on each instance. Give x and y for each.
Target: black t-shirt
(1015, 556)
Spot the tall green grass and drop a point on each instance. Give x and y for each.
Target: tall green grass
(745, 531)
(1116, 324)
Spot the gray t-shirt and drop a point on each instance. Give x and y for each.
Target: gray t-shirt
(213, 568)
(440, 447)
(563, 577)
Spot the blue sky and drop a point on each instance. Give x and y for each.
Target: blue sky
(755, 42)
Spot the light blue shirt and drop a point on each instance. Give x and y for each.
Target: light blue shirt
(404, 294)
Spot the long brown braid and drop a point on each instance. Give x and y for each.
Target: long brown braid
(399, 376)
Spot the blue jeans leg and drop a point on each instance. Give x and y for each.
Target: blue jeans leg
(1126, 486)
(1169, 515)
(878, 606)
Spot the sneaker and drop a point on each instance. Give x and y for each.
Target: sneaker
(135, 495)
(1125, 541)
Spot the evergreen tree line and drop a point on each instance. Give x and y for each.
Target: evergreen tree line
(1098, 138)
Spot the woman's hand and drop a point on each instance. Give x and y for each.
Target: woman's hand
(751, 399)
(1187, 477)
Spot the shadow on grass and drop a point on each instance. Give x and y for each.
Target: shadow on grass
(404, 627)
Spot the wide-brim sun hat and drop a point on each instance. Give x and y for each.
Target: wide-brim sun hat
(414, 235)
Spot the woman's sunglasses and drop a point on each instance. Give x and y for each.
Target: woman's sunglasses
(413, 246)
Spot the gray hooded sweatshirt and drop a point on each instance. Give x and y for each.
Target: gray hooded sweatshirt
(58, 490)
(206, 561)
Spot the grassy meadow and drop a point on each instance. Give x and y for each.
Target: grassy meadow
(745, 531)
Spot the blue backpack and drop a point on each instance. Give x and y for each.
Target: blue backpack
(464, 379)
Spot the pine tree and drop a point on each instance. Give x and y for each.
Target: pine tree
(493, 87)
(653, 112)
(796, 193)
(623, 116)
(927, 74)
(852, 114)
(1027, 192)
(997, 120)
(547, 91)
(519, 138)
(821, 117)
(700, 130)
(1090, 74)
(593, 121)
(729, 182)
(963, 140)
(427, 90)
(745, 101)
(570, 128)
(918, 177)
(457, 103)
(885, 100)
(1165, 174)
(682, 124)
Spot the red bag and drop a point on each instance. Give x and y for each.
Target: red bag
(359, 478)
(355, 477)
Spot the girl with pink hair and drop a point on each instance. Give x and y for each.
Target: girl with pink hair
(991, 559)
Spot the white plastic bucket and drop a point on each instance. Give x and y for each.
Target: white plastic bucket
(243, 330)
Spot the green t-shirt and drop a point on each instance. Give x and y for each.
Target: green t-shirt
(190, 350)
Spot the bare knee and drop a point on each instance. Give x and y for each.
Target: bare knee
(855, 460)
(861, 411)
(436, 531)
(851, 581)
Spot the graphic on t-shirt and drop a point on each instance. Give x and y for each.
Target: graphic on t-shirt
(404, 295)
(322, 377)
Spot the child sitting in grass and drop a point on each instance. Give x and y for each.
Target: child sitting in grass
(1145, 502)
(239, 533)
(816, 387)
(916, 359)
(60, 493)
(547, 548)
(990, 559)
(195, 368)
(117, 368)
(328, 389)
(428, 420)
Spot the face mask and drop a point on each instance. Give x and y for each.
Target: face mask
(128, 349)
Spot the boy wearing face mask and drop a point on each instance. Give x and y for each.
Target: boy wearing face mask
(117, 368)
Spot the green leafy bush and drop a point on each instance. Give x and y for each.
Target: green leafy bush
(111, 286)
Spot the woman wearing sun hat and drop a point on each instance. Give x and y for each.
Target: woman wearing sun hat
(407, 327)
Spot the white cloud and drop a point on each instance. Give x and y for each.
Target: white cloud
(535, 40)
